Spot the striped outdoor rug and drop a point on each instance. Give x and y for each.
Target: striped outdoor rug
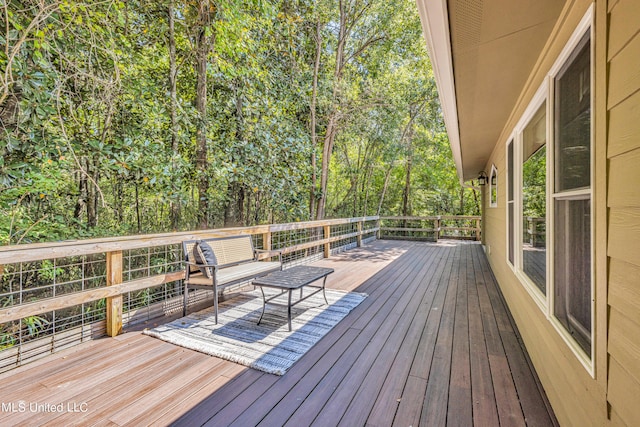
(268, 347)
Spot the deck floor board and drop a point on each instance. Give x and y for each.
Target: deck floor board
(432, 344)
(362, 383)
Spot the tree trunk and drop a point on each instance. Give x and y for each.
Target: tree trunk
(326, 158)
(384, 188)
(240, 187)
(81, 203)
(92, 197)
(348, 20)
(240, 203)
(235, 206)
(118, 195)
(332, 123)
(138, 219)
(173, 75)
(87, 193)
(475, 199)
(367, 186)
(173, 107)
(406, 194)
(312, 125)
(203, 47)
(234, 210)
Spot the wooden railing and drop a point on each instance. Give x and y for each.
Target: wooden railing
(431, 227)
(55, 295)
(39, 281)
(535, 231)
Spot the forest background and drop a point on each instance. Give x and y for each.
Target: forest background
(138, 116)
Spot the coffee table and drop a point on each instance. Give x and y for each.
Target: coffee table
(289, 280)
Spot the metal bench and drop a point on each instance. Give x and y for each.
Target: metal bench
(235, 261)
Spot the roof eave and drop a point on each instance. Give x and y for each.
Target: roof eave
(435, 25)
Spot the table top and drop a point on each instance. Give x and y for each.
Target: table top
(294, 277)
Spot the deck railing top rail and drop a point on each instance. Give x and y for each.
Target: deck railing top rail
(32, 289)
(40, 251)
(53, 295)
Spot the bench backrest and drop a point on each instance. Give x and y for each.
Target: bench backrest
(228, 250)
(232, 250)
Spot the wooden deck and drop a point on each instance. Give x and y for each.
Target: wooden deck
(433, 344)
(535, 265)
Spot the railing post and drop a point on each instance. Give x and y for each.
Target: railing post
(359, 236)
(327, 245)
(532, 230)
(437, 227)
(114, 304)
(478, 238)
(266, 241)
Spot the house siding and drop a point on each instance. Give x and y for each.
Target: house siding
(578, 398)
(623, 202)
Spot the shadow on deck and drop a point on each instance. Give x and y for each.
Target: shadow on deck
(433, 344)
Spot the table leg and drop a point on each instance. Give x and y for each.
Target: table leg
(215, 300)
(264, 304)
(323, 294)
(289, 310)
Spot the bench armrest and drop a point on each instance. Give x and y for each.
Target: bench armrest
(195, 264)
(271, 253)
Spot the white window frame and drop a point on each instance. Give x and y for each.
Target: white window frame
(541, 96)
(546, 93)
(511, 240)
(494, 174)
(585, 26)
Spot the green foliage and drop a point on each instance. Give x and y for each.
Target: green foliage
(534, 183)
(26, 329)
(90, 147)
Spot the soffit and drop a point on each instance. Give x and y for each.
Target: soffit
(494, 45)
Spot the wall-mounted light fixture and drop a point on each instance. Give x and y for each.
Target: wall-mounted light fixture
(482, 178)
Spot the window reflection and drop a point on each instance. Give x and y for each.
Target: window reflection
(572, 212)
(534, 199)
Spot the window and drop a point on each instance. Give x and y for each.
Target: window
(510, 204)
(572, 195)
(549, 193)
(493, 187)
(534, 199)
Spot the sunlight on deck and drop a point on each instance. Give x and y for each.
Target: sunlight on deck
(433, 344)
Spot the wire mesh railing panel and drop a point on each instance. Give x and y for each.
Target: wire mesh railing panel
(289, 238)
(22, 283)
(348, 241)
(410, 228)
(281, 240)
(461, 227)
(370, 226)
(158, 301)
(34, 337)
(55, 282)
(370, 230)
(145, 262)
(304, 256)
(430, 228)
(258, 241)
